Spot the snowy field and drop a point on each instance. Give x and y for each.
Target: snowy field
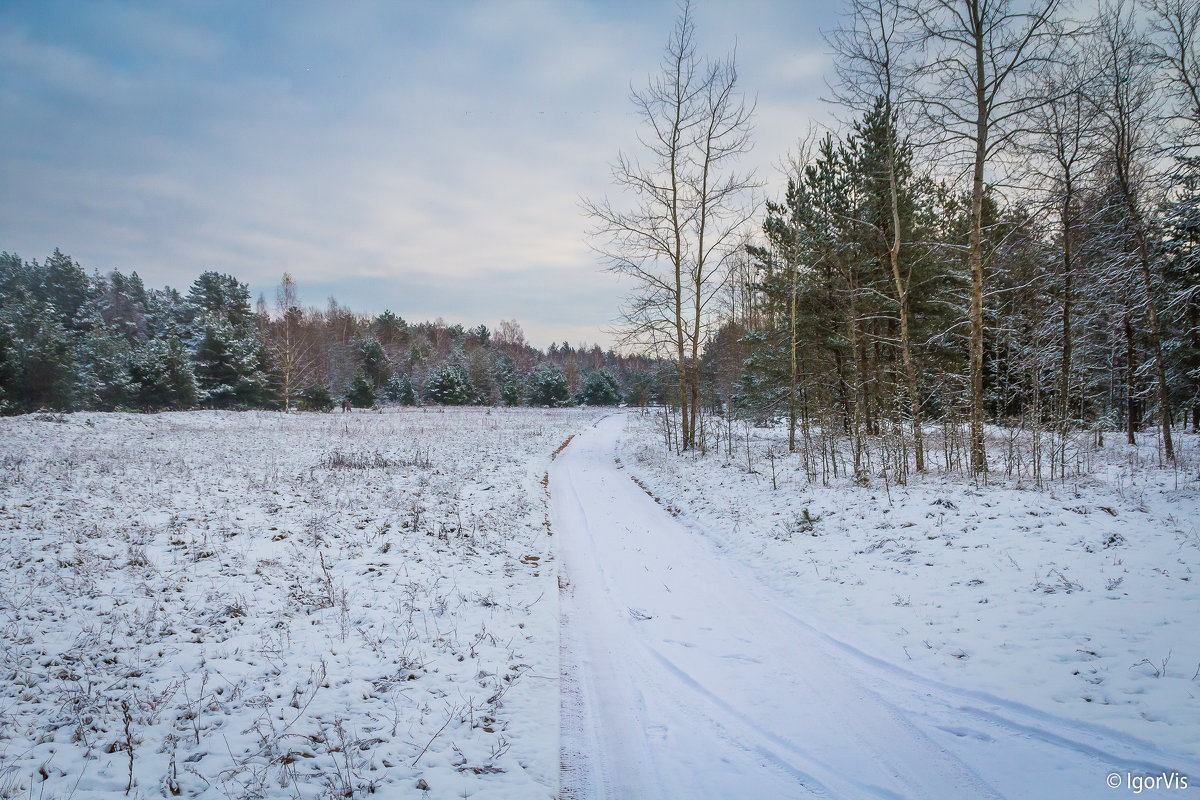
(214, 604)
(252, 604)
(1078, 600)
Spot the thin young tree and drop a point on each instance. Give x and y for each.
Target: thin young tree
(1126, 96)
(781, 232)
(687, 206)
(718, 193)
(292, 347)
(873, 66)
(1063, 130)
(977, 93)
(1175, 46)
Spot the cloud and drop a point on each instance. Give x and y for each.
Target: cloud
(433, 151)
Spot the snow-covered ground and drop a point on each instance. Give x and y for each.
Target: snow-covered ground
(1078, 600)
(258, 604)
(268, 605)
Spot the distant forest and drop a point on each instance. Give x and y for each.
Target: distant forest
(73, 341)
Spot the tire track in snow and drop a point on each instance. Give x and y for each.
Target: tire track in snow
(684, 677)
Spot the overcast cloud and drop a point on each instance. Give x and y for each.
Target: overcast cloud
(423, 157)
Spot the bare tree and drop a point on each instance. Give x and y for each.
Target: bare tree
(688, 207)
(1125, 94)
(293, 348)
(873, 65)
(1175, 45)
(1063, 131)
(977, 94)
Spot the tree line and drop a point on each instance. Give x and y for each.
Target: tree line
(74, 341)
(1004, 230)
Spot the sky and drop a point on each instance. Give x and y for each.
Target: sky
(424, 157)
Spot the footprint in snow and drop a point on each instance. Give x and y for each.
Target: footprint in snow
(681, 644)
(966, 733)
(740, 657)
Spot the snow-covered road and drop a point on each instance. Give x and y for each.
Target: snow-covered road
(684, 677)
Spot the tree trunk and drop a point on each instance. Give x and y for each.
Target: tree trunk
(864, 380)
(856, 431)
(978, 449)
(975, 248)
(1160, 369)
(792, 383)
(910, 374)
(1132, 412)
(1064, 378)
(683, 439)
(843, 390)
(1142, 240)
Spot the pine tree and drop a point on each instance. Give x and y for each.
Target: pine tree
(63, 285)
(102, 370)
(8, 367)
(161, 376)
(361, 393)
(40, 355)
(399, 390)
(232, 366)
(389, 328)
(449, 385)
(373, 362)
(121, 302)
(508, 381)
(214, 295)
(600, 389)
(547, 385)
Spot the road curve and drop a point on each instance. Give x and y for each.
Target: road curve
(683, 677)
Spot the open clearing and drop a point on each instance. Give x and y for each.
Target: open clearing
(265, 605)
(257, 604)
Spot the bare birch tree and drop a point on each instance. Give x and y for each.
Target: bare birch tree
(1063, 131)
(1175, 45)
(977, 92)
(688, 206)
(874, 64)
(1126, 97)
(292, 347)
